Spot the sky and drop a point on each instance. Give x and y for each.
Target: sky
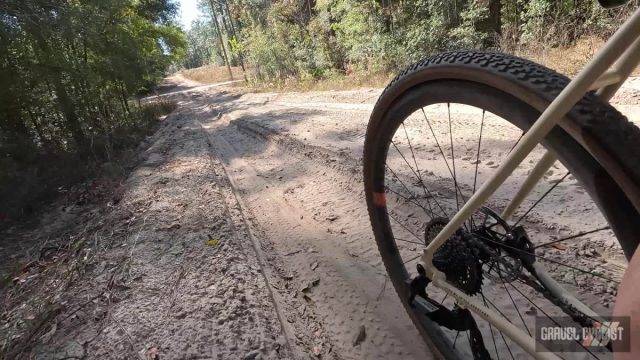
(188, 12)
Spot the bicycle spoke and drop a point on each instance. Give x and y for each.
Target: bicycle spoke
(410, 260)
(498, 310)
(408, 241)
(507, 345)
(409, 200)
(411, 193)
(541, 198)
(550, 318)
(424, 187)
(442, 153)
(513, 301)
(516, 144)
(453, 157)
(475, 177)
(547, 259)
(577, 269)
(444, 298)
(573, 236)
(398, 178)
(506, 318)
(413, 155)
(404, 226)
(495, 347)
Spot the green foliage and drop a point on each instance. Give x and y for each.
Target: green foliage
(315, 39)
(563, 22)
(201, 46)
(358, 31)
(68, 70)
(466, 35)
(309, 39)
(269, 58)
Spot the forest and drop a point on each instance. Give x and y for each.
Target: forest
(306, 39)
(69, 72)
(73, 71)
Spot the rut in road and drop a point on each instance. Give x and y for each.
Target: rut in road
(309, 209)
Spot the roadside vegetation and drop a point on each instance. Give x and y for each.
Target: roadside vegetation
(321, 44)
(70, 72)
(212, 73)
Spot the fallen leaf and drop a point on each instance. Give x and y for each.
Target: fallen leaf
(212, 242)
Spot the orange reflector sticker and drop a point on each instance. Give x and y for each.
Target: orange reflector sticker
(379, 199)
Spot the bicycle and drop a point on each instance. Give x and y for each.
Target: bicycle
(465, 249)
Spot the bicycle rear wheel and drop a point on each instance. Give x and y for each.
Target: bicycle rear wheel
(439, 129)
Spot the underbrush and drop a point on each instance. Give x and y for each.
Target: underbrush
(31, 177)
(336, 82)
(566, 59)
(211, 74)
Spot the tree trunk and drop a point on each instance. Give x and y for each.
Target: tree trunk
(224, 50)
(492, 24)
(495, 18)
(68, 110)
(46, 144)
(235, 36)
(67, 107)
(123, 95)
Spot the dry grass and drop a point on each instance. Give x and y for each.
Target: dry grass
(346, 82)
(568, 60)
(211, 74)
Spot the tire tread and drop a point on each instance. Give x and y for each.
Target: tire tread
(616, 134)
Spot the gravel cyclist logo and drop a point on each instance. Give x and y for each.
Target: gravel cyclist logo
(561, 334)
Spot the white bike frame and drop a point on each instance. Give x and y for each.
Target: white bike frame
(606, 72)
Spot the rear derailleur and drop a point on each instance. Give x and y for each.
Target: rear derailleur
(457, 319)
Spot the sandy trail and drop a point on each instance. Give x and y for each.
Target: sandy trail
(242, 232)
(296, 160)
(301, 198)
(167, 267)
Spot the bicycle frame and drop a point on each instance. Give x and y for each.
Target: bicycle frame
(606, 72)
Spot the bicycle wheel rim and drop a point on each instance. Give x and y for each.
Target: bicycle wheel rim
(603, 190)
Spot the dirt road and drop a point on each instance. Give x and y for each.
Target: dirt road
(241, 233)
(225, 241)
(295, 160)
(305, 202)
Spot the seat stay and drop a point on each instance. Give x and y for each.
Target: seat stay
(620, 71)
(606, 85)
